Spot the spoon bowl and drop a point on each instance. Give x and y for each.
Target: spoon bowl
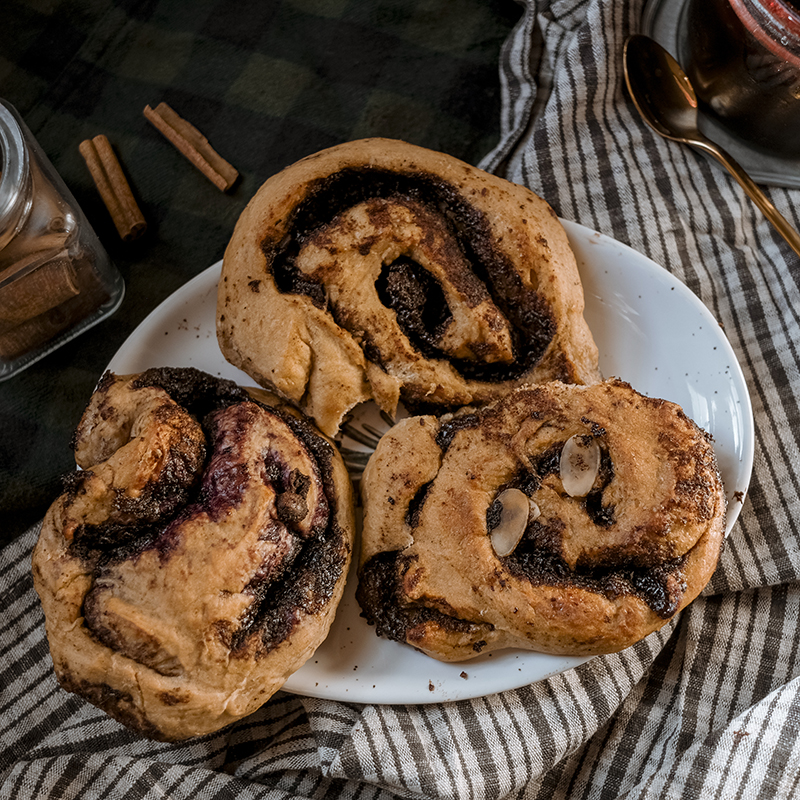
(661, 91)
(666, 100)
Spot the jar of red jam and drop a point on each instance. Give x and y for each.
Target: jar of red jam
(56, 279)
(743, 57)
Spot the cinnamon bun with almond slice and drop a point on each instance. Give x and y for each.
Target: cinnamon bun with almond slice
(562, 519)
(381, 270)
(197, 558)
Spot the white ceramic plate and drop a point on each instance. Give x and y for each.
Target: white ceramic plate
(651, 331)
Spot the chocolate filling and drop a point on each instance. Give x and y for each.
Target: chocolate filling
(382, 606)
(196, 391)
(531, 323)
(536, 558)
(659, 587)
(418, 301)
(378, 591)
(448, 430)
(416, 504)
(134, 528)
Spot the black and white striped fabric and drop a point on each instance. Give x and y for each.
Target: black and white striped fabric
(709, 707)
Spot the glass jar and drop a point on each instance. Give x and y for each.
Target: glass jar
(743, 57)
(56, 280)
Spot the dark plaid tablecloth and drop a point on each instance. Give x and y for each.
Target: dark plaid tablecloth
(268, 82)
(706, 708)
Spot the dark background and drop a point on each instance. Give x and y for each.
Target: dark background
(268, 82)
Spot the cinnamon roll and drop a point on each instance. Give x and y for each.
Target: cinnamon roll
(381, 270)
(197, 558)
(562, 519)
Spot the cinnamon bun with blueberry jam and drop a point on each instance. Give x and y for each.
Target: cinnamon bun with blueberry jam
(197, 558)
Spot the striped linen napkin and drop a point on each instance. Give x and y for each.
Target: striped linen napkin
(707, 707)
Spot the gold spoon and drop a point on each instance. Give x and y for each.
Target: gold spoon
(664, 96)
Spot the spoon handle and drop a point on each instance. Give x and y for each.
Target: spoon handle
(753, 190)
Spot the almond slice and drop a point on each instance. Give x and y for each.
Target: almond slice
(580, 463)
(516, 507)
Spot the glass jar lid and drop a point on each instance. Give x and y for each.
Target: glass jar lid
(14, 176)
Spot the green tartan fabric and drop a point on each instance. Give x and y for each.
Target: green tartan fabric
(268, 82)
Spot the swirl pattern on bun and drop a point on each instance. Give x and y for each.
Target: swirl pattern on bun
(381, 270)
(197, 558)
(562, 519)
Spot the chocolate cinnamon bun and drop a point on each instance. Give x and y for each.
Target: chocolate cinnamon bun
(562, 519)
(380, 270)
(197, 558)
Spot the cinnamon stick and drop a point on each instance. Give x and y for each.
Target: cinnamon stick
(38, 290)
(113, 187)
(20, 337)
(193, 145)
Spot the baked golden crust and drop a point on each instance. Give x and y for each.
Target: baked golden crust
(197, 559)
(598, 566)
(378, 269)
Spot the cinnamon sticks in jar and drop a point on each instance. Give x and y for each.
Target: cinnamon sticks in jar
(56, 279)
